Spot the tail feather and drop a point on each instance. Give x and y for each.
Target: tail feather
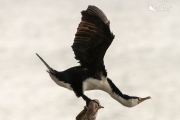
(49, 68)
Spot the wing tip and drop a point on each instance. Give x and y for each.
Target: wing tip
(93, 10)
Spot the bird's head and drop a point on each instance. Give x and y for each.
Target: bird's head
(133, 101)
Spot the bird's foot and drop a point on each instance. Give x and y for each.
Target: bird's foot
(93, 101)
(88, 101)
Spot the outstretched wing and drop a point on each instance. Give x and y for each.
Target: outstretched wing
(92, 39)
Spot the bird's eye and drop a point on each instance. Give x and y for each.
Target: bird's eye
(139, 99)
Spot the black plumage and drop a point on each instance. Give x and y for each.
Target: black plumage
(92, 39)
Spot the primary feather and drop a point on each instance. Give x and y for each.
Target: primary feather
(92, 39)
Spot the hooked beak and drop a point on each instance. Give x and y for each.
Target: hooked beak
(143, 99)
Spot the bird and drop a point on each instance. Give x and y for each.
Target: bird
(92, 39)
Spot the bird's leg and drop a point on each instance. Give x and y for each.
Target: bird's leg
(89, 100)
(86, 99)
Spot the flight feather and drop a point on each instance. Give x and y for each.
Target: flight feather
(92, 39)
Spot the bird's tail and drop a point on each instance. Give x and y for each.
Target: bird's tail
(50, 70)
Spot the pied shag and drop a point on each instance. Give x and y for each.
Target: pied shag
(91, 41)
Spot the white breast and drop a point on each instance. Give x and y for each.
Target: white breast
(94, 84)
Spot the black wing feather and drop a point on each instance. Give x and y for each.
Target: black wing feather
(92, 39)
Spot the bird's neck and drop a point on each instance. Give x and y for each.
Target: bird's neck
(117, 94)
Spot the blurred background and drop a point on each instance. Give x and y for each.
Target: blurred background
(143, 60)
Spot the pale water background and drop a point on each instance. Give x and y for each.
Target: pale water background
(143, 60)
